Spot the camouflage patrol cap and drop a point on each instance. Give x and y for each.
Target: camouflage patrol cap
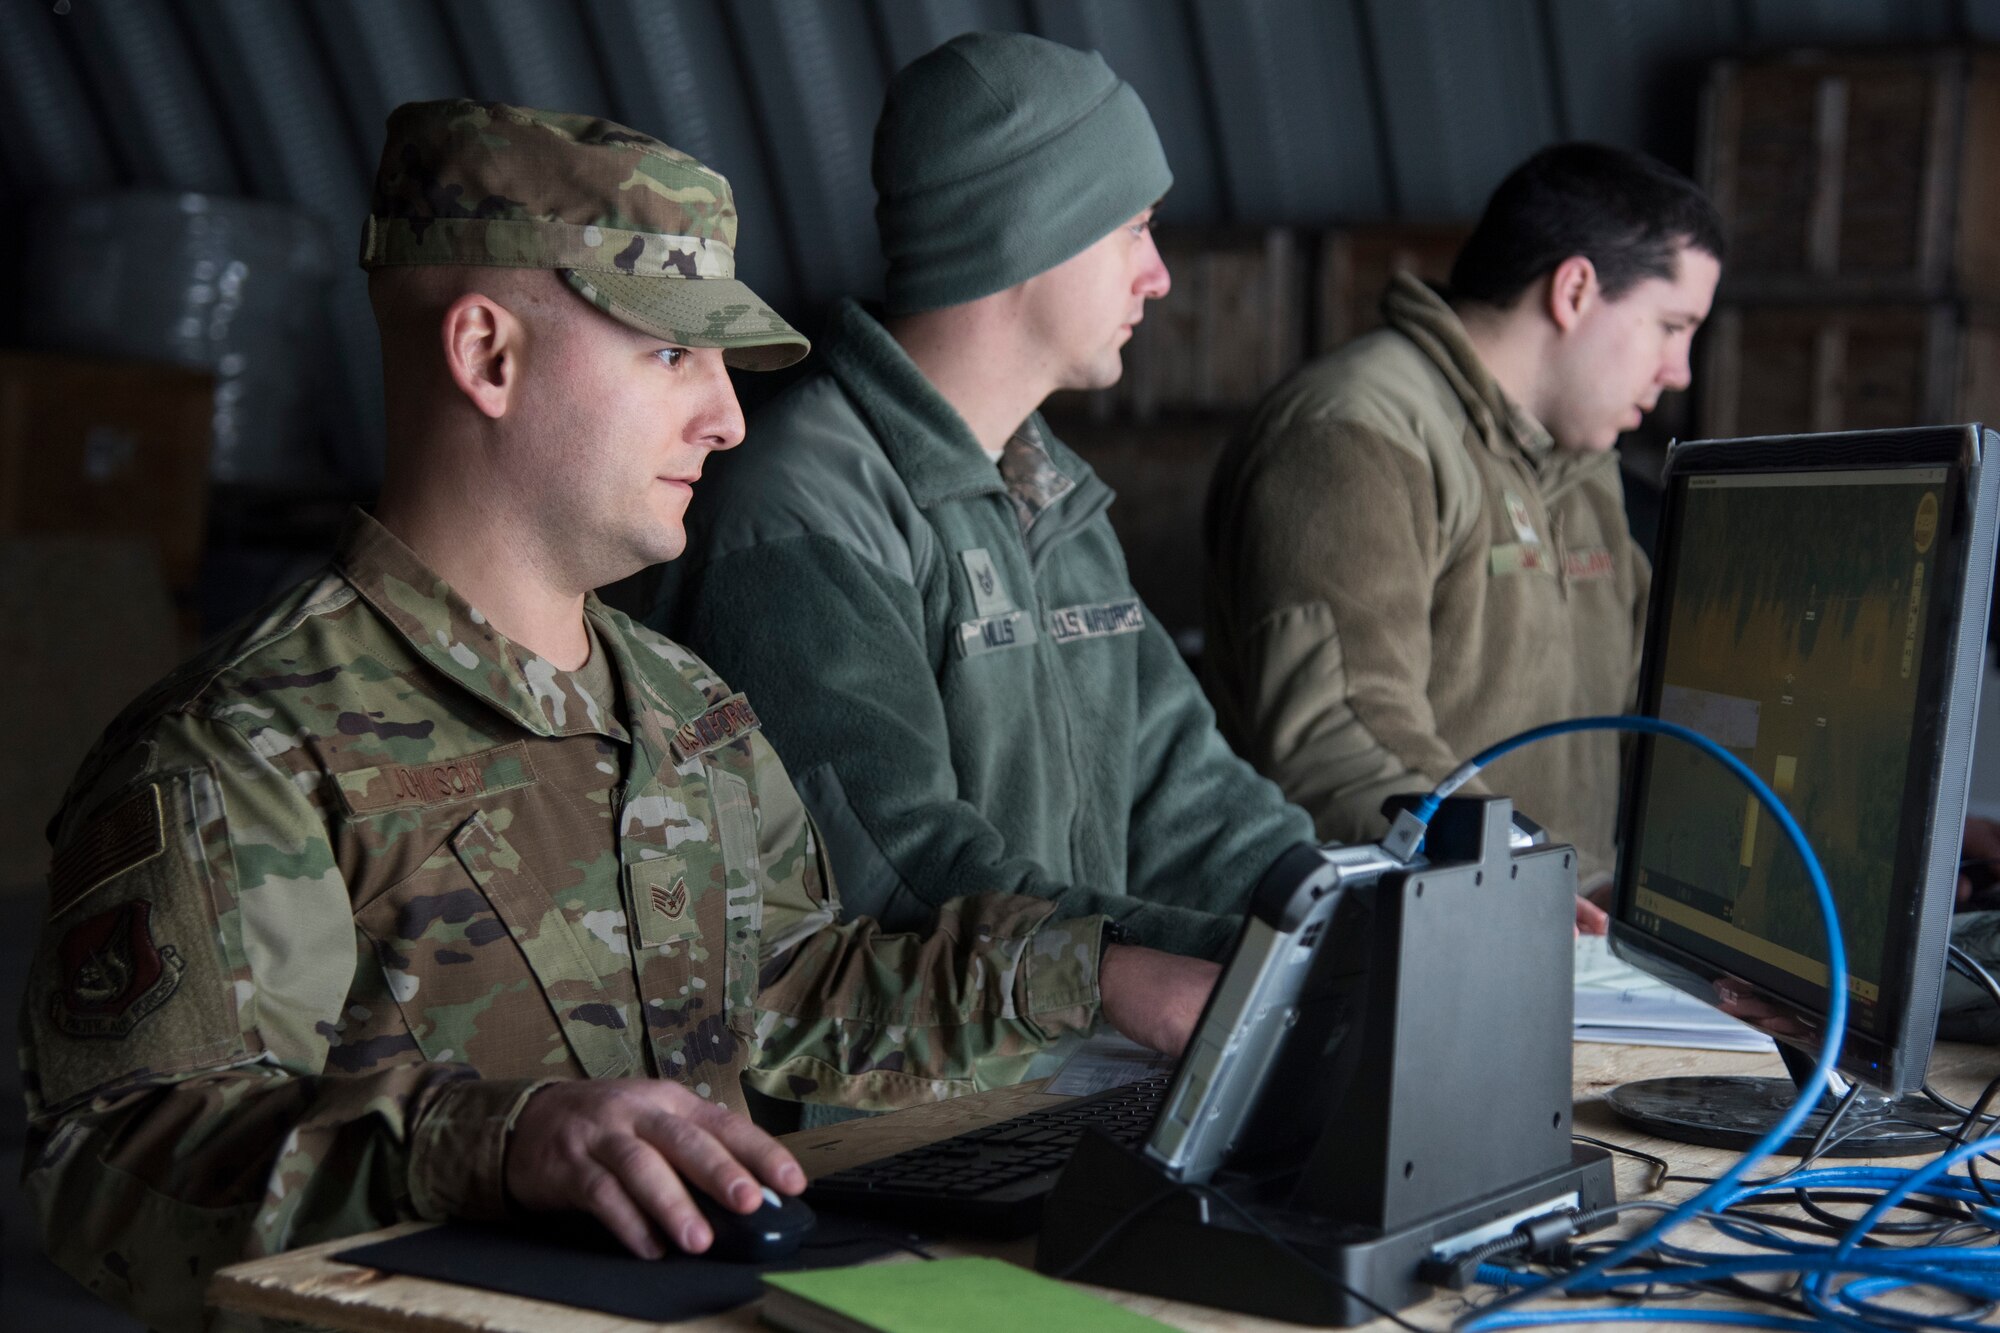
(643, 232)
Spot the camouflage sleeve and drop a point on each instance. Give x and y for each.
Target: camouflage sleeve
(850, 1015)
(197, 953)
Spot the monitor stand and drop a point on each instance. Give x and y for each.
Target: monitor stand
(1737, 1110)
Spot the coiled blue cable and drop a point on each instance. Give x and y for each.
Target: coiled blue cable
(1788, 1124)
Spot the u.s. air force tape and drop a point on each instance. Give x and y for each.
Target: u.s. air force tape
(1097, 621)
(725, 722)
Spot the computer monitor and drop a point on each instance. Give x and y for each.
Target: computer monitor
(1818, 608)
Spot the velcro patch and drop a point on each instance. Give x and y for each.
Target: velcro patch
(987, 634)
(989, 595)
(113, 974)
(382, 787)
(728, 720)
(663, 902)
(135, 985)
(124, 838)
(1516, 558)
(1097, 621)
(1589, 564)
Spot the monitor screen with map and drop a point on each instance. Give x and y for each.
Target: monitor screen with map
(1819, 610)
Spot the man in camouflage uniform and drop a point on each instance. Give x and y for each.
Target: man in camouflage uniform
(443, 889)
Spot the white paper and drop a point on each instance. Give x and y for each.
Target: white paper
(1617, 1003)
(1109, 1061)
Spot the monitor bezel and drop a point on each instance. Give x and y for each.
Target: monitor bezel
(1895, 1056)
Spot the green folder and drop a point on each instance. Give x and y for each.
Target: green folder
(942, 1296)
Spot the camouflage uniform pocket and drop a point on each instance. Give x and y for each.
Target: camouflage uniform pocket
(506, 1009)
(454, 970)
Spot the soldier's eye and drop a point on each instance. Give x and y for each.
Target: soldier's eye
(671, 357)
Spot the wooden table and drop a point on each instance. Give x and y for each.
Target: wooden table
(308, 1285)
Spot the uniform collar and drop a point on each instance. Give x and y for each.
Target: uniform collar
(1422, 316)
(450, 634)
(926, 440)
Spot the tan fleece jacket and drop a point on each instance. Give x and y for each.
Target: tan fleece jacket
(1404, 569)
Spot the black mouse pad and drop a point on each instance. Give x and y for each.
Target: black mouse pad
(576, 1262)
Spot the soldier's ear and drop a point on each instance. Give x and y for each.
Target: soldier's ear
(1572, 291)
(482, 347)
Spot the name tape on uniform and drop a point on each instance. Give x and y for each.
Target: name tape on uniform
(987, 634)
(1097, 621)
(383, 787)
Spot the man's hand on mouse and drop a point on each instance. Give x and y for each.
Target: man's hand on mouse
(1152, 997)
(628, 1151)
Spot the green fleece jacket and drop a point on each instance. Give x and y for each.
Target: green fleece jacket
(951, 660)
(1405, 569)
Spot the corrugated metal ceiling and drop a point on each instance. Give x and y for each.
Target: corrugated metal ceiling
(1298, 111)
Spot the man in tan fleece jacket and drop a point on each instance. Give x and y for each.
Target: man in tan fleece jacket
(1419, 547)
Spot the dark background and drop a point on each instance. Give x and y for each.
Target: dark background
(182, 326)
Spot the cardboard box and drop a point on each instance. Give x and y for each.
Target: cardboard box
(85, 626)
(114, 448)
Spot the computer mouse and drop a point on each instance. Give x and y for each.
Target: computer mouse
(774, 1231)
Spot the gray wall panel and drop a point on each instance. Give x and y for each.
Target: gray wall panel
(1289, 93)
(1301, 111)
(53, 140)
(529, 52)
(1467, 92)
(1796, 22)
(909, 30)
(817, 76)
(381, 57)
(165, 129)
(1630, 71)
(285, 122)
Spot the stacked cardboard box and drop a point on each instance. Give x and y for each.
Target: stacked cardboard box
(103, 488)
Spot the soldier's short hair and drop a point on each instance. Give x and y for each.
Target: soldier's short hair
(1627, 213)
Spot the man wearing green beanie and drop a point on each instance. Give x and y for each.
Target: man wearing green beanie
(917, 581)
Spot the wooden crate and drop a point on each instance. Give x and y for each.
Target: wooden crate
(107, 448)
(1855, 175)
(1786, 368)
(1356, 263)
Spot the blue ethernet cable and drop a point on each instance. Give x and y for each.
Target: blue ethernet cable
(1495, 1317)
(1967, 1272)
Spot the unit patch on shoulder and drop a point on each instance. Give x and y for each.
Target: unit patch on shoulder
(113, 974)
(728, 720)
(124, 838)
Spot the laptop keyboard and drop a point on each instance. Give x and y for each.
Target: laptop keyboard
(989, 1181)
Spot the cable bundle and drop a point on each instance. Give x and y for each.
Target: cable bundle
(1847, 1278)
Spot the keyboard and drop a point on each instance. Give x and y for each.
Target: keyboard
(989, 1181)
